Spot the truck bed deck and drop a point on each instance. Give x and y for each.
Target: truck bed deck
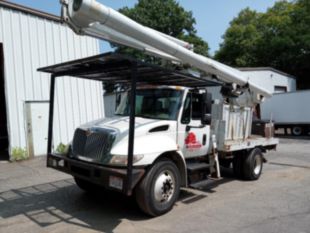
(251, 142)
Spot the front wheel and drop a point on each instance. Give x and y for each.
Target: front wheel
(159, 190)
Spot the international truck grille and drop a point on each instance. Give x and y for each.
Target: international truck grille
(93, 145)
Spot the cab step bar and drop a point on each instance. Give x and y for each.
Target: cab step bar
(197, 166)
(208, 183)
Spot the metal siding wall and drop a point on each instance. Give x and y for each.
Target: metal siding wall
(270, 79)
(31, 42)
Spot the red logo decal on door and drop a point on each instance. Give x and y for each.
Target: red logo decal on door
(191, 141)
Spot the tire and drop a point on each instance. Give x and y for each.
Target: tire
(159, 189)
(253, 165)
(86, 185)
(297, 130)
(238, 161)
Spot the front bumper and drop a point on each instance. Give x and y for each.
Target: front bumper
(96, 174)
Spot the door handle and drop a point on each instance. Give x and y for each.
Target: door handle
(188, 127)
(204, 139)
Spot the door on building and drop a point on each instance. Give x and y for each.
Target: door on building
(4, 140)
(36, 127)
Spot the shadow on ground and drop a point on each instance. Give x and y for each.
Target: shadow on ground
(303, 137)
(63, 202)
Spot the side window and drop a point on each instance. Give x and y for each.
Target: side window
(186, 115)
(192, 108)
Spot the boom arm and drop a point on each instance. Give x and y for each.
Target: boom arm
(92, 18)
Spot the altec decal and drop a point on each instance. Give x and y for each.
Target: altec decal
(191, 142)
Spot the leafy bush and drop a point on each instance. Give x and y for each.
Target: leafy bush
(62, 149)
(19, 154)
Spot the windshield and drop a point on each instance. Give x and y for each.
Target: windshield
(161, 104)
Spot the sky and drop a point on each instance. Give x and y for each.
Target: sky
(212, 16)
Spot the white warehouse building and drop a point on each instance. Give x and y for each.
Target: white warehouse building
(272, 79)
(30, 39)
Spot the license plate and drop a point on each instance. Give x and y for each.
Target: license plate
(116, 182)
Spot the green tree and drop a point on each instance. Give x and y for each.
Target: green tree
(169, 17)
(240, 40)
(301, 36)
(166, 16)
(279, 38)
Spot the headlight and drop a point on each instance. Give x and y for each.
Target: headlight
(123, 159)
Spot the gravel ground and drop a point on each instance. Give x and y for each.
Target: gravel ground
(34, 199)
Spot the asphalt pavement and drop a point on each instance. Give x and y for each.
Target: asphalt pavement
(34, 198)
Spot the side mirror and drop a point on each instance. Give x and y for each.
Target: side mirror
(207, 102)
(206, 119)
(206, 109)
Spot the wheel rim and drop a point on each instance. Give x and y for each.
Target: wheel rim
(258, 165)
(164, 186)
(297, 131)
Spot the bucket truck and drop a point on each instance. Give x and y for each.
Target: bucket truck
(167, 132)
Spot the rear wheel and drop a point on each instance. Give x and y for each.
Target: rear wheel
(253, 165)
(159, 189)
(297, 130)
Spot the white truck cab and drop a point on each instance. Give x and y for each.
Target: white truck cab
(168, 119)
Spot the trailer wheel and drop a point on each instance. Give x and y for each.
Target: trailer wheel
(159, 189)
(297, 130)
(253, 164)
(85, 185)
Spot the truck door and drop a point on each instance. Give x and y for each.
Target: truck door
(193, 136)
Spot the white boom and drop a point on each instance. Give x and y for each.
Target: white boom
(91, 18)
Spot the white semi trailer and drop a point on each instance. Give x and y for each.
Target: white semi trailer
(167, 132)
(288, 111)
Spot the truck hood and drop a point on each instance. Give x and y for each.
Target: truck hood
(121, 125)
(101, 140)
